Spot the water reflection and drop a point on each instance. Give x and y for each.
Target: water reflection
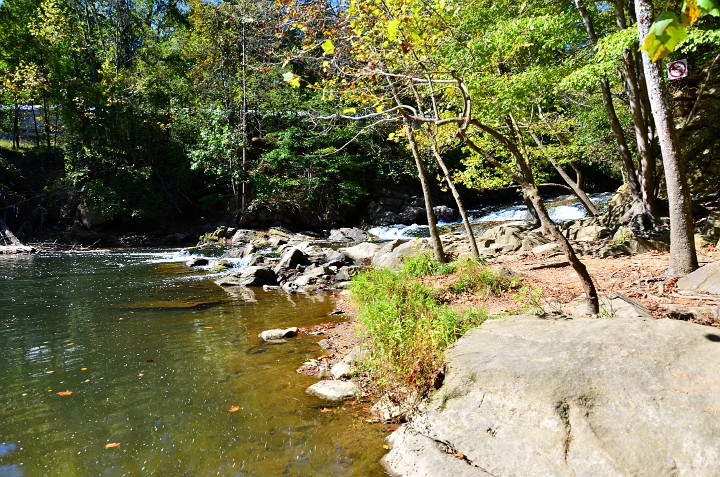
(154, 363)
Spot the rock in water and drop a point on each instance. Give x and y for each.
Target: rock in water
(331, 390)
(561, 397)
(278, 334)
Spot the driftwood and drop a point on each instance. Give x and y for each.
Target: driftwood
(7, 237)
(9, 243)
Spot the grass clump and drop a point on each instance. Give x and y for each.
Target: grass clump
(408, 322)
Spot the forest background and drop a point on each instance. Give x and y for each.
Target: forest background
(161, 115)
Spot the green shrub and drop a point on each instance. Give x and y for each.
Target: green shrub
(407, 327)
(474, 277)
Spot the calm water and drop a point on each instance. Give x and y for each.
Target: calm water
(155, 357)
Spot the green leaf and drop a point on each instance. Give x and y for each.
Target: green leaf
(328, 47)
(664, 37)
(393, 27)
(292, 79)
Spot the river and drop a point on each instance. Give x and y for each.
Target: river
(133, 348)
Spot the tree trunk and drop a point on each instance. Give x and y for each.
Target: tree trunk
(46, 113)
(16, 128)
(456, 195)
(683, 258)
(37, 132)
(574, 186)
(7, 237)
(587, 283)
(615, 126)
(422, 175)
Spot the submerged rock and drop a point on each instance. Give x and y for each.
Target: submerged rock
(562, 397)
(249, 276)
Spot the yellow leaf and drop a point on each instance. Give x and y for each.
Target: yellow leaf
(380, 108)
(112, 445)
(234, 408)
(328, 47)
(349, 111)
(64, 393)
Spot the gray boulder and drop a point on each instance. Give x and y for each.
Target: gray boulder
(443, 213)
(249, 277)
(242, 237)
(362, 252)
(705, 279)
(535, 397)
(334, 390)
(197, 262)
(292, 259)
(350, 235)
(711, 229)
(278, 334)
(345, 367)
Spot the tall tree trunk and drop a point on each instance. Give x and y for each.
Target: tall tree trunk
(422, 175)
(683, 258)
(646, 158)
(617, 129)
(531, 194)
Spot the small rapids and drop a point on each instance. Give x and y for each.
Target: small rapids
(561, 209)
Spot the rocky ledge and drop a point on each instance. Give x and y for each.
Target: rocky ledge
(525, 396)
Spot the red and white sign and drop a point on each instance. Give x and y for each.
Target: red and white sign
(677, 69)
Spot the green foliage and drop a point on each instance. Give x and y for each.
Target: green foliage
(408, 327)
(530, 299)
(474, 277)
(669, 31)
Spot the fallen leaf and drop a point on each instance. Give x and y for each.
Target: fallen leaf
(64, 393)
(392, 427)
(385, 446)
(460, 455)
(112, 445)
(83, 369)
(150, 361)
(207, 327)
(70, 344)
(234, 408)
(141, 374)
(324, 410)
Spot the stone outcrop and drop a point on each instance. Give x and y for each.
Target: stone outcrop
(533, 397)
(705, 279)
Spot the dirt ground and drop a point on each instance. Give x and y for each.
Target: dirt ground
(551, 279)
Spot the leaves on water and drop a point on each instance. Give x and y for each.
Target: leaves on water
(64, 393)
(112, 445)
(325, 410)
(234, 408)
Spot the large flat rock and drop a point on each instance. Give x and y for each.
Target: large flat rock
(534, 397)
(705, 279)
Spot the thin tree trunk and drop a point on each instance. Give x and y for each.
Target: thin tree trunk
(577, 265)
(46, 114)
(16, 128)
(530, 192)
(683, 258)
(422, 175)
(37, 133)
(456, 195)
(574, 186)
